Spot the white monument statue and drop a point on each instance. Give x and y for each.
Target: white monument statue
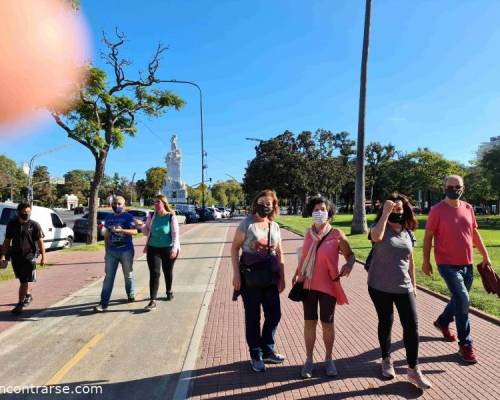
(174, 189)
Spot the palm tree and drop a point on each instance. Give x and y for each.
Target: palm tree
(359, 218)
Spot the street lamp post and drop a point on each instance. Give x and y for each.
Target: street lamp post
(203, 153)
(31, 163)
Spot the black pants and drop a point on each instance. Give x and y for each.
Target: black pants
(407, 310)
(159, 258)
(261, 341)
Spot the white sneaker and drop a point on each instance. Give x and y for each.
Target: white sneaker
(331, 369)
(416, 377)
(307, 369)
(388, 368)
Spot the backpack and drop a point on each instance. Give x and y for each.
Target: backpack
(370, 254)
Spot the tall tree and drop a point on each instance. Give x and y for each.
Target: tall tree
(376, 157)
(43, 192)
(12, 179)
(490, 164)
(104, 114)
(359, 224)
(155, 179)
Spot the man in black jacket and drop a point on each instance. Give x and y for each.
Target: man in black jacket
(23, 241)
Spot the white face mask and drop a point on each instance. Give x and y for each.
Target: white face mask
(320, 217)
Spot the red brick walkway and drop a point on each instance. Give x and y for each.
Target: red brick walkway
(223, 371)
(69, 272)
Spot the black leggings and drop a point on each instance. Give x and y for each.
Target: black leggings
(407, 310)
(158, 259)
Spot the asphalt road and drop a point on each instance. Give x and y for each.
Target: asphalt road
(130, 353)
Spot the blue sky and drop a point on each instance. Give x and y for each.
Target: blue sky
(267, 66)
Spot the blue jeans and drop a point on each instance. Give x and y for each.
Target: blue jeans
(459, 281)
(111, 260)
(260, 344)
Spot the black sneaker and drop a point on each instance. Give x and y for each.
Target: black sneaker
(258, 365)
(273, 358)
(18, 309)
(131, 299)
(170, 296)
(100, 309)
(27, 299)
(151, 306)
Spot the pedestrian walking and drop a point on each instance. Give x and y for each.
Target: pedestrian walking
(23, 243)
(318, 270)
(119, 249)
(391, 281)
(453, 228)
(259, 275)
(162, 248)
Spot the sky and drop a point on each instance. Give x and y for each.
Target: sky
(270, 66)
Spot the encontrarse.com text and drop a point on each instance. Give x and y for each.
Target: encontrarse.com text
(57, 389)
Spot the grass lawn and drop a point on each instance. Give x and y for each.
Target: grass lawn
(489, 227)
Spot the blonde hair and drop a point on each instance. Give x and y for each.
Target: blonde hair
(121, 199)
(165, 202)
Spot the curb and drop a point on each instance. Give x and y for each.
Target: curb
(472, 310)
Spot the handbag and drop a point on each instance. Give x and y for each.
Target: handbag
(297, 292)
(260, 273)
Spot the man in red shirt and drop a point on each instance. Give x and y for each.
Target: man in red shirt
(452, 224)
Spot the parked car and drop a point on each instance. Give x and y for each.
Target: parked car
(225, 213)
(205, 214)
(56, 233)
(80, 226)
(216, 213)
(191, 217)
(181, 218)
(140, 214)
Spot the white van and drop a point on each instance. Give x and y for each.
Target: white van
(56, 233)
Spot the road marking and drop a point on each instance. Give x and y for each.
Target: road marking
(183, 384)
(75, 360)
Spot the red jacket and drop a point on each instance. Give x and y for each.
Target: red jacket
(491, 280)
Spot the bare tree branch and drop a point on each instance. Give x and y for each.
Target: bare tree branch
(72, 135)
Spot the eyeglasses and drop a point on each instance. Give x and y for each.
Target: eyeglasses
(458, 187)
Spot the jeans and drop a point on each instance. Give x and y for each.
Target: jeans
(158, 259)
(111, 260)
(407, 310)
(459, 281)
(261, 343)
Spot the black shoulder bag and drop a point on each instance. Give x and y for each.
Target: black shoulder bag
(297, 291)
(260, 273)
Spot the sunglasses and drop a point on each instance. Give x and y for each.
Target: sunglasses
(458, 187)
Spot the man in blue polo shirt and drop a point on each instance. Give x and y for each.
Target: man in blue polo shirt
(119, 229)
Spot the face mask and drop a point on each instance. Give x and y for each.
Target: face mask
(264, 210)
(320, 217)
(453, 194)
(24, 216)
(117, 209)
(396, 218)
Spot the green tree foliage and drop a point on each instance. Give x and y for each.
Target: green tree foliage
(12, 180)
(490, 164)
(44, 193)
(77, 182)
(376, 157)
(155, 179)
(297, 167)
(227, 193)
(104, 114)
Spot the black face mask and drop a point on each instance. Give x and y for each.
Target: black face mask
(453, 194)
(264, 210)
(396, 218)
(24, 216)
